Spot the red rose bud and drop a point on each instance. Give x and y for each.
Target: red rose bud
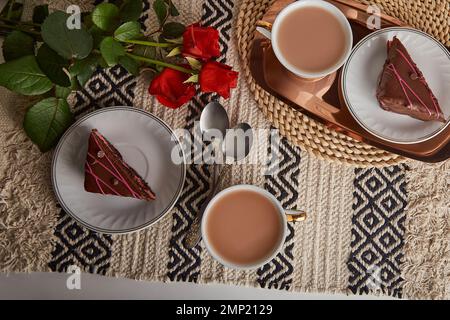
(217, 77)
(200, 42)
(170, 89)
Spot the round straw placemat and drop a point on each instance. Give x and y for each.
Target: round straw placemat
(310, 135)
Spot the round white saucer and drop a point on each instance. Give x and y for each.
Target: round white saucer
(146, 144)
(359, 79)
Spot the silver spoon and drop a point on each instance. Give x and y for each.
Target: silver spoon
(238, 142)
(234, 148)
(214, 122)
(214, 117)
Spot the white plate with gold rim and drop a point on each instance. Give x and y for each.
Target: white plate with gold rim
(146, 143)
(360, 75)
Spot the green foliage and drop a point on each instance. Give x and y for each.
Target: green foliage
(67, 58)
(24, 76)
(12, 11)
(172, 9)
(160, 8)
(173, 30)
(97, 35)
(131, 10)
(131, 65)
(40, 13)
(76, 43)
(46, 121)
(174, 52)
(53, 65)
(111, 51)
(106, 16)
(62, 92)
(16, 45)
(84, 69)
(128, 31)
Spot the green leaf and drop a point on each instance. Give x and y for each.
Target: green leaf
(131, 10)
(97, 35)
(128, 31)
(46, 121)
(172, 9)
(53, 65)
(111, 51)
(84, 69)
(24, 76)
(13, 10)
(161, 39)
(131, 65)
(161, 10)
(75, 85)
(106, 16)
(192, 79)
(62, 92)
(194, 63)
(76, 43)
(175, 41)
(16, 45)
(40, 13)
(173, 30)
(86, 19)
(175, 51)
(102, 63)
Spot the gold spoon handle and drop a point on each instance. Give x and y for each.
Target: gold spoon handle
(295, 215)
(264, 24)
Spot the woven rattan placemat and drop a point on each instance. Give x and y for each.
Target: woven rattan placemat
(430, 16)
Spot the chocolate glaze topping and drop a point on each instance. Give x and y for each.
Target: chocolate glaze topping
(403, 89)
(107, 173)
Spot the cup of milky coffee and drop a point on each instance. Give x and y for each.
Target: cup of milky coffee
(311, 38)
(244, 227)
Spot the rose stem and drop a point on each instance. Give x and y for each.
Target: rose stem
(161, 63)
(19, 29)
(10, 9)
(31, 24)
(149, 43)
(161, 24)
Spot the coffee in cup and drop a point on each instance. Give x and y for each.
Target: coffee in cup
(244, 227)
(311, 38)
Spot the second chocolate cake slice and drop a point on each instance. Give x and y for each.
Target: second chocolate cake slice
(403, 89)
(107, 173)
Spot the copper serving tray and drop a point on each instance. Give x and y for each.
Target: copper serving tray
(321, 99)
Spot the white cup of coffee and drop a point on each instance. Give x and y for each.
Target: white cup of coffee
(244, 226)
(310, 38)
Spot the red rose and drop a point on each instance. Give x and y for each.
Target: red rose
(217, 77)
(170, 89)
(202, 43)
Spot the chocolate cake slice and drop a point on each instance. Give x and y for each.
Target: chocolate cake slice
(402, 87)
(107, 173)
